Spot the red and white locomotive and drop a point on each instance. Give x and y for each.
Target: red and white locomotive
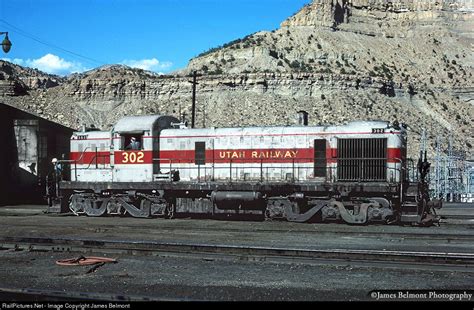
(356, 173)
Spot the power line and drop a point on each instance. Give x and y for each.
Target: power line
(34, 38)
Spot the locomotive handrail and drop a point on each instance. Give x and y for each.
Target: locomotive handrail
(413, 169)
(170, 161)
(295, 164)
(401, 178)
(264, 165)
(75, 161)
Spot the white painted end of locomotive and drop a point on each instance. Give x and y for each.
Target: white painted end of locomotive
(90, 153)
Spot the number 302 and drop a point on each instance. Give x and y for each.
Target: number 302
(132, 158)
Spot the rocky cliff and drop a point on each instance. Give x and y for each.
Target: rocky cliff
(16, 80)
(380, 16)
(409, 61)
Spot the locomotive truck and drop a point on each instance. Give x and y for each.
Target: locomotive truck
(356, 173)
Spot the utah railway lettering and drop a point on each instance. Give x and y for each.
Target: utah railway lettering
(258, 154)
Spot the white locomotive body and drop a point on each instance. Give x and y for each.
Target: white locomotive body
(154, 165)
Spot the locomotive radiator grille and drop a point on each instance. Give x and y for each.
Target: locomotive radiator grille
(362, 159)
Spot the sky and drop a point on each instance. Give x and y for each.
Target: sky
(67, 36)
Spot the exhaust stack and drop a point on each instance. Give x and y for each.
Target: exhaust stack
(302, 118)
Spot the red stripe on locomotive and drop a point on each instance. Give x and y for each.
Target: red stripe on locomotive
(121, 158)
(261, 156)
(217, 156)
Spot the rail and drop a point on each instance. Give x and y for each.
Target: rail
(224, 251)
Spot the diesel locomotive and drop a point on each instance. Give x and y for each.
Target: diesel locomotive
(356, 173)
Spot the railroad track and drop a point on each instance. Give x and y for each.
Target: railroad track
(371, 259)
(411, 235)
(251, 253)
(457, 216)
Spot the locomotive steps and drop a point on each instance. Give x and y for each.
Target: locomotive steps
(251, 253)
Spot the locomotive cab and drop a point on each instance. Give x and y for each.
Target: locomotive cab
(128, 153)
(137, 146)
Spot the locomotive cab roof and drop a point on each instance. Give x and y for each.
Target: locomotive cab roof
(130, 124)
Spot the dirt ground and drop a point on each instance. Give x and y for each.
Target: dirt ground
(174, 277)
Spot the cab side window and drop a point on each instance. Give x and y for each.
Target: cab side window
(132, 142)
(200, 153)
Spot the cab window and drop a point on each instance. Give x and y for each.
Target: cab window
(132, 142)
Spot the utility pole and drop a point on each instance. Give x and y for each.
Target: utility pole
(422, 147)
(203, 116)
(446, 186)
(423, 141)
(451, 170)
(193, 115)
(438, 169)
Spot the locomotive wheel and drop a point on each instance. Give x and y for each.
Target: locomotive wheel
(145, 207)
(114, 207)
(78, 204)
(96, 207)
